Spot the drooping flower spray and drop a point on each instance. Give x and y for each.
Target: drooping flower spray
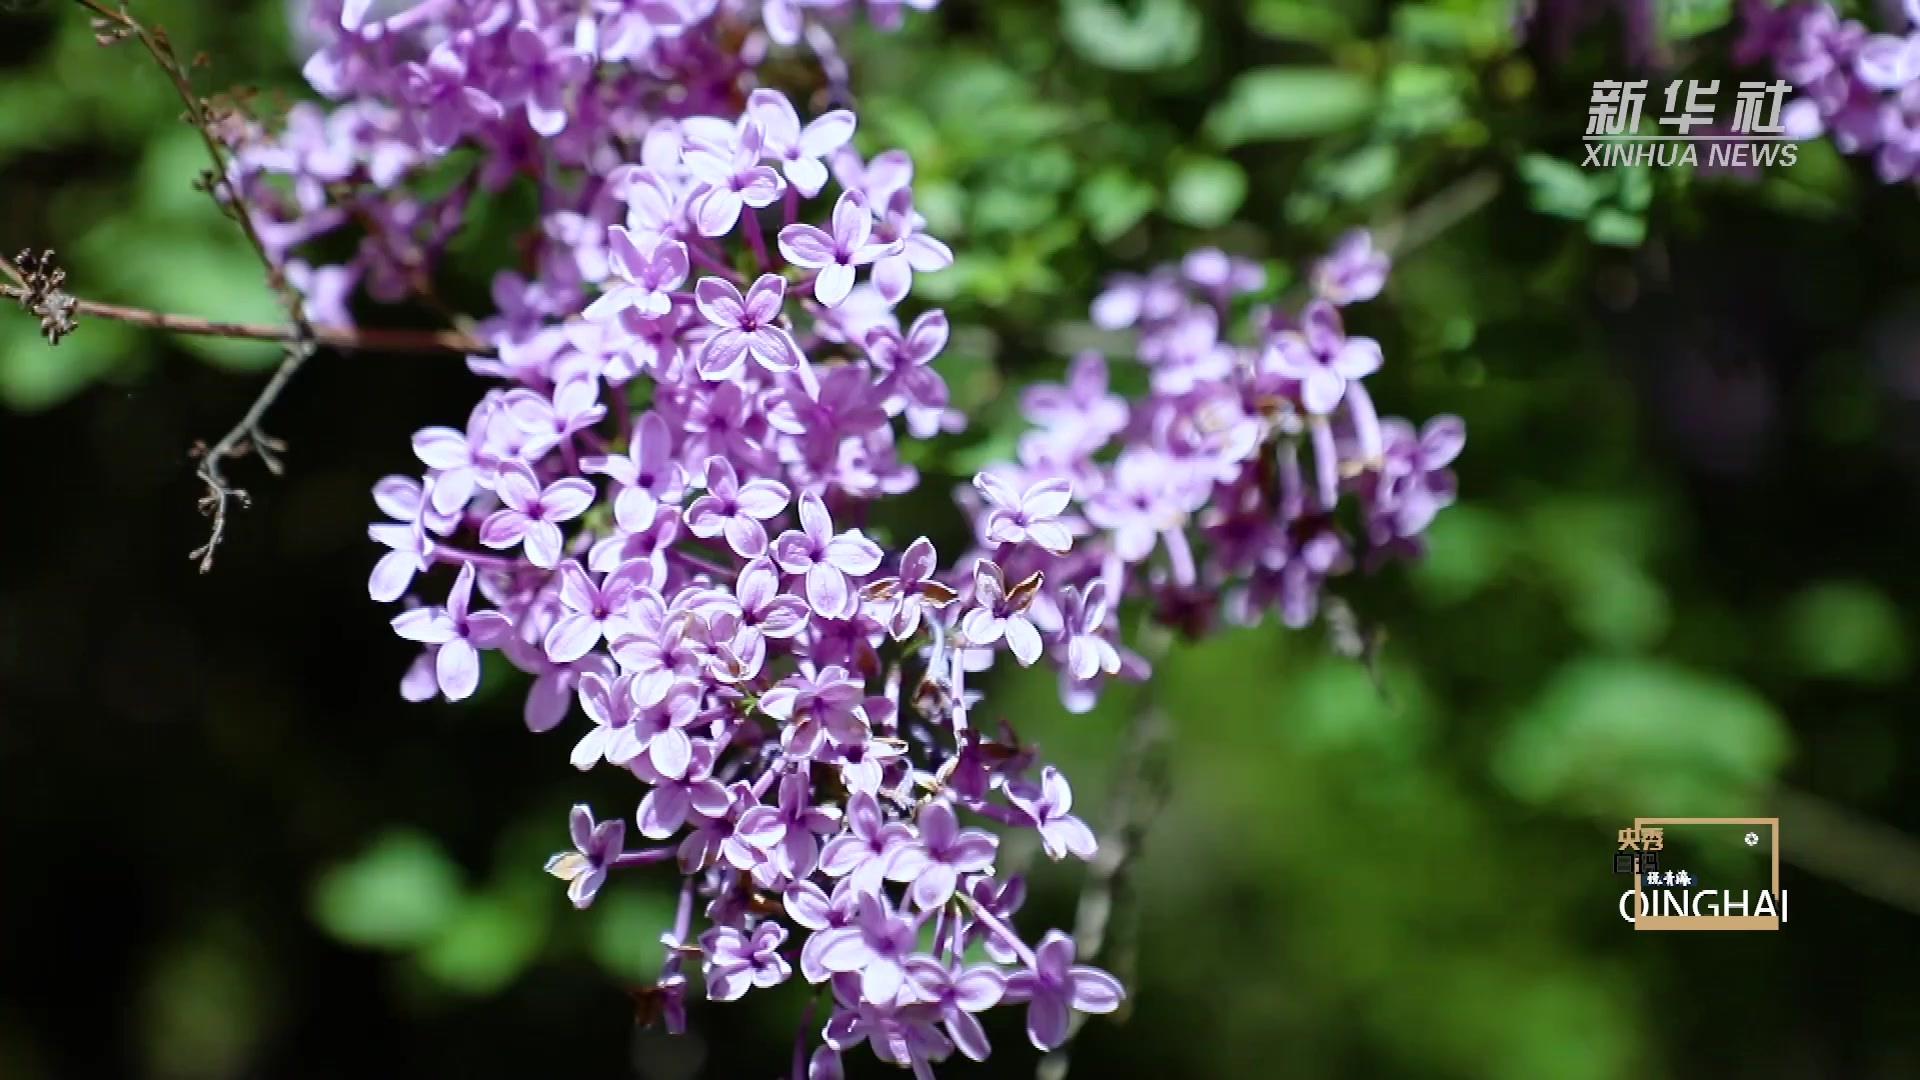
(697, 380)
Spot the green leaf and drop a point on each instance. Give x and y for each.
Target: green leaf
(1614, 602)
(1478, 28)
(1613, 736)
(32, 111)
(1560, 188)
(209, 1001)
(1300, 20)
(1848, 631)
(1289, 103)
(1205, 192)
(182, 268)
(1362, 175)
(1161, 34)
(1011, 210)
(396, 895)
(1422, 98)
(1114, 201)
(1636, 187)
(1617, 228)
(485, 945)
(1683, 19)
(35, 375)
(1467, 547)
(626, 932)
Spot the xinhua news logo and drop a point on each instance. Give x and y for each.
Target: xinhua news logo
(1669, 896)
(1755, 137)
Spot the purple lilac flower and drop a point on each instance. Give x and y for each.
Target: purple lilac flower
(1323, 358)
(1001, 612)
(934, 861)
(671, 801)
(546, 76)
(1055, 986)
(1352, 272)
(456, 635)
(1030, 516)
(736, 962)
(735, 509)
(816, 707)
(827, 559)
(779, 743)
(788, 834)
(958, 993)
(866, 851)
(593, 609)
(835, 254)
(800, 150)
(446, 102)
(912, 591)
(876, 946)
(595, 848)
(731, 180)
(1048, 803)
(648, 277)
(533, 514)
(910, 249)
(1083, 619)
(747, 327)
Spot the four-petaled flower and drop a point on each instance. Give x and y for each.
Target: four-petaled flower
(1055, 986)
(747, 327)
(909, 592)
(826, 558)
(958, 993)
(1353, 271)
(596, 847)
(736, 962)
(1049, 805)
(1083, 618)
(865, 851)
(456, 634)
(1323, 357)
(876, 946)
(834, 254)
(736, 509)
(1031, 516)
(731, 179)
(592, 609)
(544, 73)
(816, 707)
(1002, 612)
(799, 149)
(788, 834)
(647, 277)
(533, 514)
(933, 862)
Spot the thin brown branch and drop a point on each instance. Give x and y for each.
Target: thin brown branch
(1448, 207)
(111, 25)
(373, 339)
(1868, 856)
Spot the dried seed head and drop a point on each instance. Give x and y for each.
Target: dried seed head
(43, 296)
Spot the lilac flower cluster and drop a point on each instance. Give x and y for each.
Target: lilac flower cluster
(1226, 491)
(660, 508)
(1861, 87)
(568, 93)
